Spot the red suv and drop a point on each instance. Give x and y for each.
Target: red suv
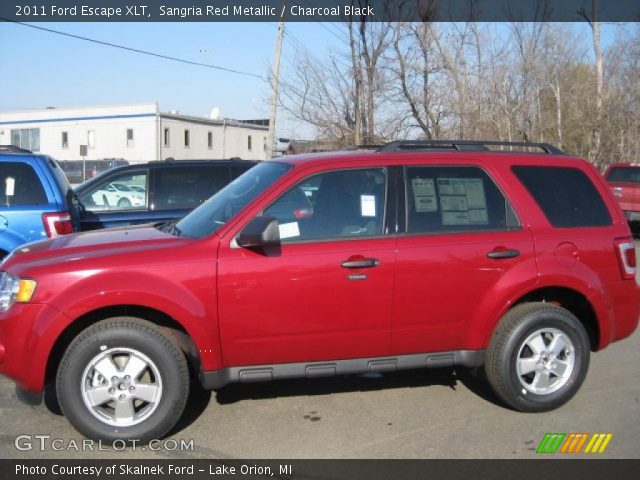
(417, 255)
(624, 179)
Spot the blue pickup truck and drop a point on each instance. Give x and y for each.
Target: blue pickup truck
(36, 199)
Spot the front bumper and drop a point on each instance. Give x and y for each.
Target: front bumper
(27, 334)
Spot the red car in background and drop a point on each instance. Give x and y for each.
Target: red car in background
(624, 179)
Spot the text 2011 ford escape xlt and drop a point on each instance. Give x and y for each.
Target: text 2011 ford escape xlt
(417, 255)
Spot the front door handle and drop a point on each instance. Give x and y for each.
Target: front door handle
(358, 261)
(501, 252)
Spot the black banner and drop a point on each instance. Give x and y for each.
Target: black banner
(321, 469)
(318, 10)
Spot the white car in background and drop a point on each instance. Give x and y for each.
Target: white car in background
(118, 195)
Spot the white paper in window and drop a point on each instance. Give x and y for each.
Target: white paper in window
(368, 205)
(463, 201)
(289, 230)
(424, 195)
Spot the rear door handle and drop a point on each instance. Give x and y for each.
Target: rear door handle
(498, 253)
(360, 262)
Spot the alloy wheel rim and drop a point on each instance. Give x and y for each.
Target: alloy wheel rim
(121, 387)
(545, 361)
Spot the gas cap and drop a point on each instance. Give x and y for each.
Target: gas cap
(567, 254)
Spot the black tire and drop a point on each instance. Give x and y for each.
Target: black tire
(139, 336)
(504, 349)
(124, 203)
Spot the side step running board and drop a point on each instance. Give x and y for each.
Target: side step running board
(263, 373)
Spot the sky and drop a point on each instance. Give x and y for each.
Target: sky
(43, 69)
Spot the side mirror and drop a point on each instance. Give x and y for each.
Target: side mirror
(261, 232)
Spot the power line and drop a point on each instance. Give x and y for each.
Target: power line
(137, 50)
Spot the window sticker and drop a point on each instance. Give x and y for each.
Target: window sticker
(368, 205)
(289, 230)
(424, 195)
(463, 201)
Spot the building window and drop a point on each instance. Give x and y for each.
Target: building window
(187, 139)
(27, 138)
(91, 139)
(65, 140)
(129, 137)
(249, 143)
(167, 137)
(264, 143)
(210, 140)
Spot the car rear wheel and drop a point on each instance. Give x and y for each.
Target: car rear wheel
(123, 378)
(538, 357)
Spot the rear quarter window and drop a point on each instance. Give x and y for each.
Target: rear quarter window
(28, 189)
(566, 196)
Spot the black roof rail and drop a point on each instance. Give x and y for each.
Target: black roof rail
(464, 145)
(13, 149)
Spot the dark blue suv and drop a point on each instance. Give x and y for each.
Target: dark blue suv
(36, 199)
(153, 192)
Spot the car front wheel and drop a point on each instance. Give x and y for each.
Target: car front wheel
(123, 378)
(538, 357)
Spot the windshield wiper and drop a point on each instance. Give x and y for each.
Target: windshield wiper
(170, 227)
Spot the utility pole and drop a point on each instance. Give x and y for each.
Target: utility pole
(275, 82)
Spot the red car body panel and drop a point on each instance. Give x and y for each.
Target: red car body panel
(429, 292)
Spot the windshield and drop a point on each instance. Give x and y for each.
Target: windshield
(224, 205)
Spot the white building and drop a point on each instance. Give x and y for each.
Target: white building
(134, 132)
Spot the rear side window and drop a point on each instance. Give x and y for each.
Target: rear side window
(188, 187)
(455, 199)
(624, 175)
(27, 187)
(566, 196)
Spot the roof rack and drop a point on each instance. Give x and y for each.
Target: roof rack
(464, 145)
(13, 149)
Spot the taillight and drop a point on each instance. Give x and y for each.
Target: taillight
(626, 256)
(56, 224)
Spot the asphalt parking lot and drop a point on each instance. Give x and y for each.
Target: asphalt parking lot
(416, 414)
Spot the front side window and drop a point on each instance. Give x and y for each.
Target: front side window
(187, 187)
(333, 205)
(565, 195)
(443, 199)
(27, 188)
(127, 191)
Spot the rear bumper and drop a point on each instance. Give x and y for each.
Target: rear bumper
(25, 344)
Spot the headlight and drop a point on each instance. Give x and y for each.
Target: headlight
(14, 289)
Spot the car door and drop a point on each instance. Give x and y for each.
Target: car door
(326, 292)
(462, 239)
(110, 202)
(178, 189)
